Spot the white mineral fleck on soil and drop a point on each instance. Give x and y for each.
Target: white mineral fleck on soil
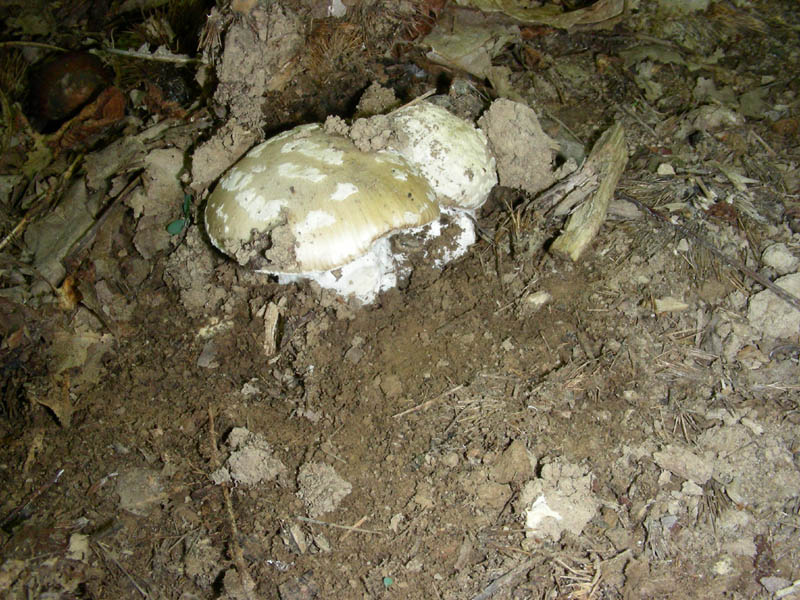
(558, 501)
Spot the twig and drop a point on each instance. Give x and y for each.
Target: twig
(40, 207)
(788, 297)
(75, 255)
(606, 162)
(245, 578)
(337, 526)
(107, 553)
(508, 579)
(428, 403)
(31, 499)
(547, 200)
(561, 123)
(180, 59)
(419, 98)
(359, 523)
(32, 45)
(638, 119)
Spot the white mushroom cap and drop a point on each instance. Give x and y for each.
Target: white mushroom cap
(308, 201)
(451, 153)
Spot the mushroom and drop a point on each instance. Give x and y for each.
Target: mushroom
(309, 204)
(450, 153)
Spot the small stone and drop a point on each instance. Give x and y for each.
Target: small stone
(773, 584)
(391, 386)
(514, 465)
(684, 463)
(321, 488)
(780, 258)
(774, 316)
(665, 169)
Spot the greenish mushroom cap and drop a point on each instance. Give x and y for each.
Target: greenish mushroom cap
(309, 201)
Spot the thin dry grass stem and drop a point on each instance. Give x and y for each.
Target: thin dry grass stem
(777, 386)
(684, 422)
(515, 218)
(509, 550)
(156, 29)
(210, 39)
(714, 501)
(752, 133)
(474, 409)
(701, 356)
(499, 376)
(582, 581)
(730, 261)
(576, 378)
(12, 74)
(338, 526)
(515, 302)
(355, 526)
(673, 371)
(332, 47)
(507, 580)
(730, 16)
(673, 362)
(648, 128)
(44, 202)
(737, 283)
(108, 555)
(791, 515)
(414, 101)
(682, 335)
(428, 403)
(513, 225)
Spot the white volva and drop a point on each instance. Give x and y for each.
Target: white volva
(310, 202)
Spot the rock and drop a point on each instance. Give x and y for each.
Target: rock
(251, 461)
(561, 500)
(684, 463)
(140, 490)
(780, 258)
(772, 315)
(321, 488)
(758, 470)
(525, 153)
(391, 386)
(514, 465)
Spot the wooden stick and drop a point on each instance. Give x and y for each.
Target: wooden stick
(32, 498)
(246, 580)
(508, 579)
(607, 160)
(427, 403)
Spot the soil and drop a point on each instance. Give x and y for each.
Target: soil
(512, 425)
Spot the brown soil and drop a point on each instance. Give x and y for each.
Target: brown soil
(448, 407)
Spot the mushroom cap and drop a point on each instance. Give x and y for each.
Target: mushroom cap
(308, 201)
(451, 153)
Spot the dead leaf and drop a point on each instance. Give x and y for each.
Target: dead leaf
(58, 400)
(603, 10)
